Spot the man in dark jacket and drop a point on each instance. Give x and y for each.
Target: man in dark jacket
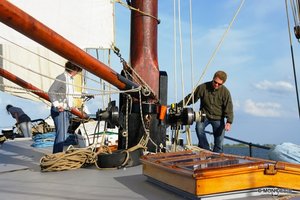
(216, 103)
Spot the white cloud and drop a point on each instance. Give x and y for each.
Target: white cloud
(278, 87)
(267, 109)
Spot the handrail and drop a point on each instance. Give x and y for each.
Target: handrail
(243, 142)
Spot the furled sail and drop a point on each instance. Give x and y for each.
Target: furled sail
(81, 22)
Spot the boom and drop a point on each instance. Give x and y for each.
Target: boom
(4, 73)
(22, 22)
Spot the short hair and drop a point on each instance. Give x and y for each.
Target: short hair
(72, 67)
(8, 107)
(221, 75)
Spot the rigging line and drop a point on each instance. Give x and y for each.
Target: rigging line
(217, 48)
(297, 8)
(292, 54)
(32, 95)
(75, 94)
(137, 10)
(180, 43)
(109, 64)
(40, 74)
(38, 55)
(175, 52)
(294, 12)
(103, 85)
(30, 51)
(125, 64)
(191, 50)
(140, 80)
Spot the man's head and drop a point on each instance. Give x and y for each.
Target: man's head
(8, 107)
(219, 79)
(72, 68)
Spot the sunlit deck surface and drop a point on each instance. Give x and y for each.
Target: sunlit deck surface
(21, 178)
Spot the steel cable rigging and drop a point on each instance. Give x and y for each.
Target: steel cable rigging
(295, 8)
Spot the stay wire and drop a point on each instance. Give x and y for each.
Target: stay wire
(215, 51)
(175, 51)
(181, 47)
(192, 52)
(292, 55)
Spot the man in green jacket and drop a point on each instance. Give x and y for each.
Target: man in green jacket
(216, 103)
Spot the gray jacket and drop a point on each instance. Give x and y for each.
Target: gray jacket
(57, 91)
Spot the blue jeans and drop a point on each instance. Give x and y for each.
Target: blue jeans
(218, 133)
(61, 122)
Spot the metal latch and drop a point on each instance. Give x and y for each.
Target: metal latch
(271, 169)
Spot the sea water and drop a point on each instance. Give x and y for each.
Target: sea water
(245, 151)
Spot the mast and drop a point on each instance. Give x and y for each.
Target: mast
(143, 121)
(143, 42)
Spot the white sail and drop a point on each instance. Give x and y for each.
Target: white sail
(87, 24)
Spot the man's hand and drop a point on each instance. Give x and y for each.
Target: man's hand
(60, 109)
(227, 126)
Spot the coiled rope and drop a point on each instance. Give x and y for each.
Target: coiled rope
(2, 139)
(72, 158)
(43, 140)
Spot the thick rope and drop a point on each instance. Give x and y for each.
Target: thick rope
(188, 136)
(2, 139)
(137, 10)
(72, 158)
(145, 88)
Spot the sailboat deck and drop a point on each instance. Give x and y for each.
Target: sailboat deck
(21, 179)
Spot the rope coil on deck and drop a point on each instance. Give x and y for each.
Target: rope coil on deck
(72, 158)
(2, 139)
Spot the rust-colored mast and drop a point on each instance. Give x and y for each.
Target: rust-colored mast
(17, 19)
(143, 59)
(15, 79)
(143, 46)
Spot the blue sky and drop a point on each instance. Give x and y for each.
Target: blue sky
(255, 54)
